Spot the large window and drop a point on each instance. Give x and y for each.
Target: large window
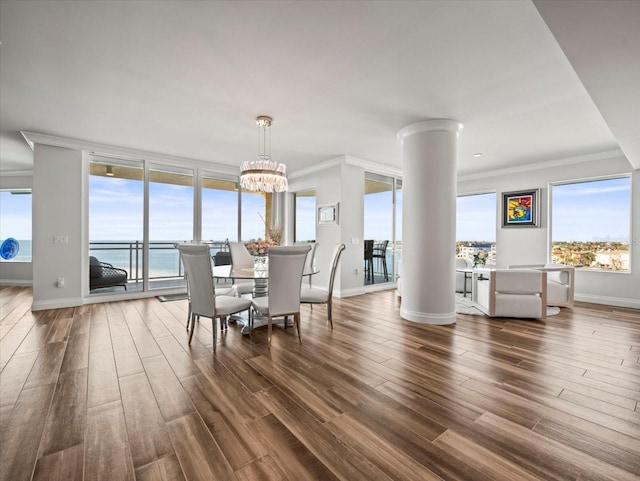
(139, 209)
(219, 212)
(305, 216)
(591, 223)
(170, 221)
(476, 226)
(15, 221)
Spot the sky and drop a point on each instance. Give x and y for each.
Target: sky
(305, 218)
(116, 212)
(587, 211)
(15, 216)
(476, 217)
(598, 211)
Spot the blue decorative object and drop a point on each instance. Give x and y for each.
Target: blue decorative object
(9, 248)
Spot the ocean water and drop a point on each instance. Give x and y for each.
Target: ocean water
(164, 259)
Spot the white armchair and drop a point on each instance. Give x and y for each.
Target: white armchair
(520, 293)
(560, 282)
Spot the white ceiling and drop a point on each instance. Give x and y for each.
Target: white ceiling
(188, 78)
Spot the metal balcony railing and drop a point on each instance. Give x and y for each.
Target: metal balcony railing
(164, 260)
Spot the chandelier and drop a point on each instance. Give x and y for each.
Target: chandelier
(264, 174)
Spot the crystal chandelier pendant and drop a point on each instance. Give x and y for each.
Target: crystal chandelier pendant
(264, 174)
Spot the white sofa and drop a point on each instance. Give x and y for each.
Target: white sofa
(519, 293)
(560, 282)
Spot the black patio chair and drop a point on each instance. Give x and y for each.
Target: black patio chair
(102, 274)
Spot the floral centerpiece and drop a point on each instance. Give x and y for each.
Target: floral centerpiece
(259, 247)
(480, 258)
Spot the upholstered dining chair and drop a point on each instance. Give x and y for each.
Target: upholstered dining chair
(314, 295)
(203, 301)
(286, 265)
(225, 291)
(310, 260)
(240, 257)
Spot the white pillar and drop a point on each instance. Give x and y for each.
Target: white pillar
(429, 152)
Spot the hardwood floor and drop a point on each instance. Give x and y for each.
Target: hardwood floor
(114, 392)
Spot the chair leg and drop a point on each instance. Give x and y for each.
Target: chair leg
(296, 321)
(213, 328)
(269, 333)
(189, 316)
(193, 326)
(329, 314)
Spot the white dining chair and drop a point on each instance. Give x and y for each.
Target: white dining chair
(286, 265)
(315, 295)
(240, 257)
(310, 261)
(225, 291)
(196, 260)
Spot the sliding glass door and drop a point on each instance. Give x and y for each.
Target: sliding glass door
(378, 228)
(116, 222)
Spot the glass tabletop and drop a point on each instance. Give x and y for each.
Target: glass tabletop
(247, 272)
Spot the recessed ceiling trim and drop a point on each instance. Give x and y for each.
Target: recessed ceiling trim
(578, 159)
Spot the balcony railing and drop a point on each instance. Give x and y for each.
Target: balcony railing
(164, 260)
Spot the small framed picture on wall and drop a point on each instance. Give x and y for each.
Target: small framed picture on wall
(520, 208)
(328, 213)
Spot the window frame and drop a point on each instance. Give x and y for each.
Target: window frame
(21, 191)
(625, 175)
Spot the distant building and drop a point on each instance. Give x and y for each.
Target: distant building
(612, 259)
(468, 249)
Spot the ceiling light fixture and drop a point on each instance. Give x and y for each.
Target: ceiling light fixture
(109, 171)
(478, 154)
(264, 174)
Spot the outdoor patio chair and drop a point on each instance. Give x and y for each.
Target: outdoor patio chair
(102, 274)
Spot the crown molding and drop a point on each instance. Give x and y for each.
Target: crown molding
(367, 165)
(317, 168)
(100, 149)
(374, 167)
(16, 173)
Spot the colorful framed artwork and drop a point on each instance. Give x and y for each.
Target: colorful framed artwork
(520, 209)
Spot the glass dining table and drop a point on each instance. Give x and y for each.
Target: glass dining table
(259, 273)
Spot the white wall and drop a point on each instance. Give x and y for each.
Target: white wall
(16, 273)
(59, 179)
(530, 245)
(344, 184)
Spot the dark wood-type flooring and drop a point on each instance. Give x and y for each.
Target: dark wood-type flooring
(113, 392)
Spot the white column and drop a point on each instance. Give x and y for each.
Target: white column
(429, 152)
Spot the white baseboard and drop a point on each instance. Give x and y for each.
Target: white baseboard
(56, 303)
(15, 282)
(610, 301)
(354, 291)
